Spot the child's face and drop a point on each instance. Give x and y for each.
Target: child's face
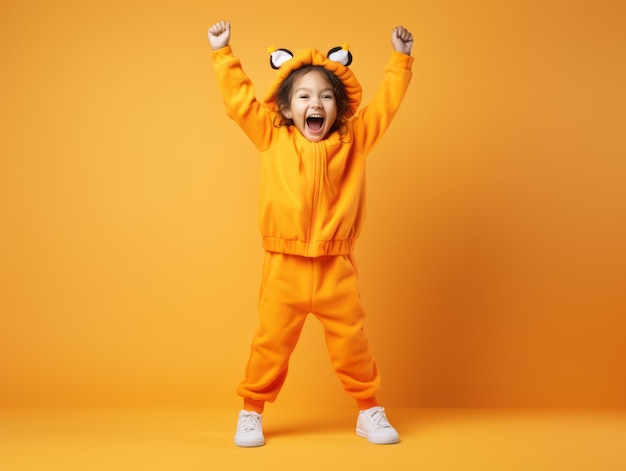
(312, 107)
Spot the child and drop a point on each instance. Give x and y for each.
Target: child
(313, 145)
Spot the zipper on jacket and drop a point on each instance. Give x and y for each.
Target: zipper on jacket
(315, 203)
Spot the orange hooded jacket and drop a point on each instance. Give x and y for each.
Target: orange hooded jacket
(312, 194)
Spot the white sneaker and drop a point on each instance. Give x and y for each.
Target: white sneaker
(373, 425)
(249, 429)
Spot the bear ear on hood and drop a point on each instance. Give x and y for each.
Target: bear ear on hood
(279, 56)
(340, 54)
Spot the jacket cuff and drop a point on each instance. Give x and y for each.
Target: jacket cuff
(402, 60)
(220, 54)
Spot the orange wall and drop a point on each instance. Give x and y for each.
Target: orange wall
(493, 260)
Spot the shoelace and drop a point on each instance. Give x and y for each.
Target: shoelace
(378, 419)
(250, 423)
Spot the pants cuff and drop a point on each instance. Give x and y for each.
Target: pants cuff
(253, 406)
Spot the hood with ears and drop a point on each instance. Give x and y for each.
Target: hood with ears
(288, 63)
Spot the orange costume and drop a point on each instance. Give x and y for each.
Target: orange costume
(311, 209)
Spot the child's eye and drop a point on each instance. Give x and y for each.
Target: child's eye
(304, 97)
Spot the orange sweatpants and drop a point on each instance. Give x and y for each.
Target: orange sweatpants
(293, 287)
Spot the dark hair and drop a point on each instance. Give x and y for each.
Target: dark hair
(282, 96)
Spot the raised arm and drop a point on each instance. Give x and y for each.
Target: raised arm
(237, 89)
(374, 119)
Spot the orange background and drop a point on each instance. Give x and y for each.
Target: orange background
(492, 263)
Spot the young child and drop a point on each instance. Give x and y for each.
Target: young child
(313, 145)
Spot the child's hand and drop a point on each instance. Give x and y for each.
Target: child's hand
(219, 34)
(402, 40)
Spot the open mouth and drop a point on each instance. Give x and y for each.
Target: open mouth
(315, 122)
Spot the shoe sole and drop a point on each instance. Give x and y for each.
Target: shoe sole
(250, 443)
(381, 441)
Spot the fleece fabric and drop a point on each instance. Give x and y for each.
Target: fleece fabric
(291, 288)
(311, 194)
